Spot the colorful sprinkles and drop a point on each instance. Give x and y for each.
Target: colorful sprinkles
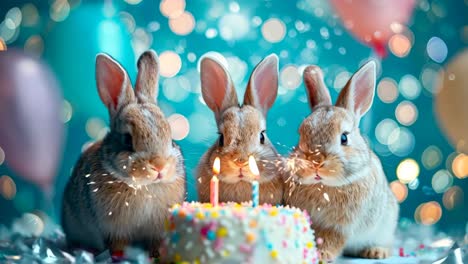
(282, 233)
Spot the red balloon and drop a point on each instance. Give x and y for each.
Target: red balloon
(31, 130)
(371, 20)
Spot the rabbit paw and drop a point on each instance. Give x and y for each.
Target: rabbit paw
(375, 253)
(327, 256)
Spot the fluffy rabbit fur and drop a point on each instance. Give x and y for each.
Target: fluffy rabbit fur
(241, 134)
(121, 187)
(336, 177)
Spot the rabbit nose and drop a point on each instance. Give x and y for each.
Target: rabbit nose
(156, 164)
(318, 159)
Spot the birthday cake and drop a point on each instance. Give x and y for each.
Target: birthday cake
(237, 233)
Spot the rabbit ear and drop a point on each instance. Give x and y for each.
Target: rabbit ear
(358, 93)
(217, 88)
(263, 84)
(317, 92)
(146, 88)
(113, 83)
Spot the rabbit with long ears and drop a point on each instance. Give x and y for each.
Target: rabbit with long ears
(121, 187)
(336, 177)
(242, 133)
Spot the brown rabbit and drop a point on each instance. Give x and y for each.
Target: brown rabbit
(242, 132)
(336, 177)
(121, 187)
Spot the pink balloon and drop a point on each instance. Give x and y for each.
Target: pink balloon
(371, 20)
(31, 130)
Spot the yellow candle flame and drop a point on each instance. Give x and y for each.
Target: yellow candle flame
(216, 166)
(253, 166)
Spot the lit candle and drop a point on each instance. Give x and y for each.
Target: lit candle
(214, 184)
(255, 186)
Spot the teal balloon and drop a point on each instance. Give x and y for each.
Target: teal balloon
(72, 46)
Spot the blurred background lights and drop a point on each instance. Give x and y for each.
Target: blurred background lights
(233, 26)
(2, 156)
(59, 10)
(430, 77)
(414, 184)
(30, 15)
(171, 89)
(290, 77)
(170, 63)
(29, 225)
(34, 45)
(407, 170)
(273, 30)
(383, 130)
(399, 190)
(237, 68)
(387, 90)
(180, 126)
(7, 187)
(460, 166)
(453, 198)
(401, 141)
(341, 79)
(437, 49)
(441, 181)
(135, 2)
(406, 113)
(429, 213)
(409, 87)
(172, 8)
(183, 24)
(94, 126)
(431, 157)
(67, 111)
(399, 45)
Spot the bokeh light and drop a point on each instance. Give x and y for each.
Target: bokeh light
(409, 87)
(399, 190)
(180, 126)
(172, 8)
(94, 126)
(34, 45)
(399, 45)
(171, 89)
(384, 129)
(453, 198)
(135, 2)
(406, 113)
(29, 225)
(2, 156)
(170, 63)
(273, 30)
(183, 24)
(430, 77)
(59, 10)
(233, 27)
(7, 187)
(428, 213)
(407, 170)
(431, 157)
(341, 79)
(460, 166)
(414, 184)
(437, 49)
(67, 111)
(441, 181)
(401, 141)
(290, 77)
(30, 15)
(387, 90)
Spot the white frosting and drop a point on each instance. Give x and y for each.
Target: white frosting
(234, 233)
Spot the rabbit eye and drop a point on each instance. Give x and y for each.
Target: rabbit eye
(221, 140)
(127, 141)
(262, 137)
(344, 139)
